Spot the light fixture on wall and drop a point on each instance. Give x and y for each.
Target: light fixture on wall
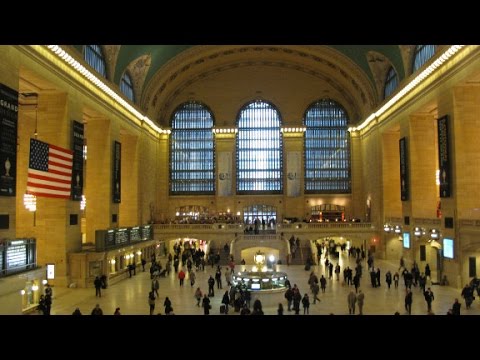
(83, 202)
(387, 228)
(434, 234)
(30, 202)
(398, 229)
(418, 231)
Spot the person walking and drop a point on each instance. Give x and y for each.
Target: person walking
(408, 301)
(181, 276)
(206, 304)
(168, 305)
(360, 300)
(456, 307)
(351, 300)
(395, 279)
(192, 276)
(306, 304)
(198, 296)
(315, 291)
(151, 302)
(211, 284)
(428, 294)
(226, 301)
(388, 278)
(98, 286)
(155, 285)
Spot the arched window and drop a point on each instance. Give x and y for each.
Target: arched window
(93, 55)
(126, 86)
(421, 55)
(192, 150)
(391, 82)
(259, 150)
(327, 148)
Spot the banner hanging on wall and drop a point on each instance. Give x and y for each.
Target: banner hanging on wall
(444, 157)
(8, 140)
(403, 170)
(117, 172)
(293, 173)
(77, 170)
(224, 173)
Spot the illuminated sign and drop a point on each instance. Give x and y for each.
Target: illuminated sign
(50, 271)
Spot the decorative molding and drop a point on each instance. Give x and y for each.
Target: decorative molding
(379, 65)
(138, 70)
(407, 58)
(322, 62)
(111, 55)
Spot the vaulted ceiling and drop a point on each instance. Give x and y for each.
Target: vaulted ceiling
(163, 75)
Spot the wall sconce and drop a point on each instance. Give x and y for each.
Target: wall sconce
(387, 228)
(83, 203)
(35, 287)
(434, 233)
(139, 253)
(418, 231)
(398, 229)
(30, 202)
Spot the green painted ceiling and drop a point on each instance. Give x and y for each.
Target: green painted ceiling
(161, 54)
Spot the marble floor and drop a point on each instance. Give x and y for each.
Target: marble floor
(131, 295)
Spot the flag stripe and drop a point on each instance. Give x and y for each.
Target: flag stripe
(63, 195)
(59, 169)
(50, 170)
(64, 152)
(48, 176)
(61, 162)
(41, 184)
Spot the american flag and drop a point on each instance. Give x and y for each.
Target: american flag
(49, 170)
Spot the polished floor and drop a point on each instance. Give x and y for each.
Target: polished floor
(130, 295)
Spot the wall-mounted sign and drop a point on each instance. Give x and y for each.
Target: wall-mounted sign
(50, 271)
(444, 157)
(403, 170)
(117, 172)
(77, 166)
(8, 140)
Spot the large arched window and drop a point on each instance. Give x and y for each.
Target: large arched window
(391, 82)
(327, 148)
(259, 150)
(421, 55)
(93, 55)
(192, 150)
(126, 86)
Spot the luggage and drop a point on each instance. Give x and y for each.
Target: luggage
(222, 309)
(307, 267)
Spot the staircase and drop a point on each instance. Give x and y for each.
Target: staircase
(301, 255)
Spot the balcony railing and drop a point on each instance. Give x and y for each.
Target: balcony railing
(239, 228)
